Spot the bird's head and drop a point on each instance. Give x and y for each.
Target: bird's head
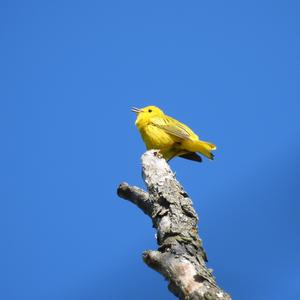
(147, 112)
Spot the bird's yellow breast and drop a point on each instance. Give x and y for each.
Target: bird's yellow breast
(156, 138)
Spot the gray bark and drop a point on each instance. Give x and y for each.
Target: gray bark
(180, 257)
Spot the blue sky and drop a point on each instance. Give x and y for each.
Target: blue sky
(71, 70)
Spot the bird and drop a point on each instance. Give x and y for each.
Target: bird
(171, 137)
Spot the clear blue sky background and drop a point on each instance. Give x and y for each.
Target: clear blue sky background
(71, 70)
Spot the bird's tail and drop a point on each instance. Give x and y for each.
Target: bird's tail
(204, 148)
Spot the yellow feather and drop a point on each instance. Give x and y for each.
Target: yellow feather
(170, 136)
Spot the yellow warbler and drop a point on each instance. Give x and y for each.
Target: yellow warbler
(170, 136)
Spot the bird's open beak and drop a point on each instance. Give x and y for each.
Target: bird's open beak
(136, 110)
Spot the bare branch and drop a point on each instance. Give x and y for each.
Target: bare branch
(180, 257)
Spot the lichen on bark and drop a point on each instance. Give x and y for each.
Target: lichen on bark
(180, 257)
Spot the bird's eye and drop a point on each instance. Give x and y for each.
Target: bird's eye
(149, 110)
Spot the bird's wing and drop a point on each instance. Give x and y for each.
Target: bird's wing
(173, 127)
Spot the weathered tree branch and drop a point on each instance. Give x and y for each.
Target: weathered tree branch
(180, 257)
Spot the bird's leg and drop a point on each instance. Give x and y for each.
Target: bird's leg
(158, 153)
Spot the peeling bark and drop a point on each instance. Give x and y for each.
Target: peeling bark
(180, 257)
